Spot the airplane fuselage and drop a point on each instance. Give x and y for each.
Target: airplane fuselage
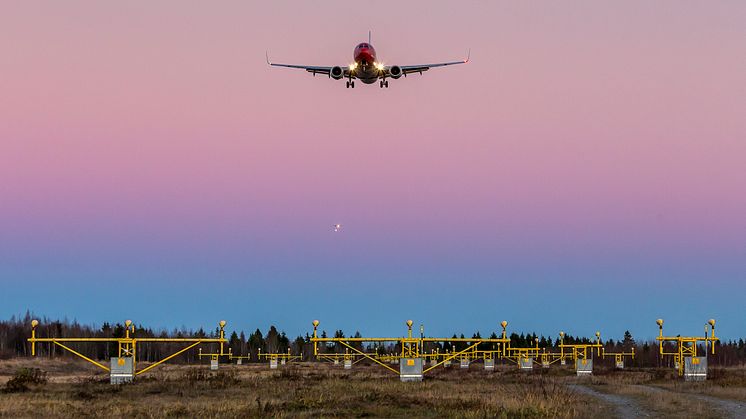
(365, 63)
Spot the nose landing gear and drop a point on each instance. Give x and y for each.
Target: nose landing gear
(384, 83)
(350, 84)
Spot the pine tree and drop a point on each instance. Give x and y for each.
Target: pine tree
(628, 342)
(272, 340)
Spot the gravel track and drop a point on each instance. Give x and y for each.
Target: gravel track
(625, 407)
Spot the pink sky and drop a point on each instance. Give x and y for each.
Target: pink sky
(581, 133)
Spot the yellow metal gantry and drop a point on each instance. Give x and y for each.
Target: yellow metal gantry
(518, 355)
(579, 350)
(686, 346)
(287, 357)
(411, 347)
(618, 356)
(127, 345)
(215, 356)
(534, 354)
(353, 357)
(238, 358)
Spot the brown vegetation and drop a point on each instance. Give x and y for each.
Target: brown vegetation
(306, 390)
(322, 390)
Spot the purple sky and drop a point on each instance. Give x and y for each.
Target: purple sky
(586, 170)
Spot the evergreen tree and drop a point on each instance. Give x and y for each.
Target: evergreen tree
(272, 340)
(628, 342)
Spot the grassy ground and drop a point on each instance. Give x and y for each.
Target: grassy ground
(660, 393)
(322, 390)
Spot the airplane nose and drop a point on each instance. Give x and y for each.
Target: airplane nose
(365, 54)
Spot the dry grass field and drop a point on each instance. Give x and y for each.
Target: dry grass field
(76, 389)
(660, 393)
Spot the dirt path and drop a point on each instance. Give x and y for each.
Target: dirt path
(729, 408)
(625, 407)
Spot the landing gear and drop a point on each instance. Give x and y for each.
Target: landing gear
(350, 84)
(384, 83)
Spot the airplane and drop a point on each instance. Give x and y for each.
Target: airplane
(367, 68)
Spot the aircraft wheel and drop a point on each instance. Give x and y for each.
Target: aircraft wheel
(348, 85)
(352, 84)
(387, 84)
(381, 84)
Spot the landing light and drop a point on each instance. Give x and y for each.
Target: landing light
(353, 66)
(379, 66)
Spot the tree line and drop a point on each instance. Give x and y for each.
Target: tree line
(15, 332)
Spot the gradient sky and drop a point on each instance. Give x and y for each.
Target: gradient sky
(586, 171)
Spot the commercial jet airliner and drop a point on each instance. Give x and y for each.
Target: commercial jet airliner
(367, 68)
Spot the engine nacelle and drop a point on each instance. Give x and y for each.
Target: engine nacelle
(395, 72)
(336, 72)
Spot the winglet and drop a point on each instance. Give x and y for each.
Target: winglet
(266, 54)
(468, 55)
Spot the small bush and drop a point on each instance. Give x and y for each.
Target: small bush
(220, 379)
(289, 373)
(25, 377)
(196, 374)
(223, 379)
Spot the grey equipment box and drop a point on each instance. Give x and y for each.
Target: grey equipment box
(238, 361)
(273, 364)
(695, 368)
(526, 363)
(545, 364)
(584, 366)
(213, 364)
(410, 369)
(489, 364)
(122, 370)
(348, 364)
(464, 363)
(620, 365)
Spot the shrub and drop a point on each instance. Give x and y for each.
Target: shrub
(25, 377)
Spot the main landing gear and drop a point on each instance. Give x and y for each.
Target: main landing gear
(384, 83)
(350, 83)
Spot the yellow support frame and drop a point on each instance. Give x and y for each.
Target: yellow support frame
(237, 357)
(279, 356)
(411, 347)
(580, 350)
(618, 356)
(105, 368)
(126, 346)
(686, 345)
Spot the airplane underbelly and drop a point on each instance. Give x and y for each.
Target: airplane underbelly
(368, 75)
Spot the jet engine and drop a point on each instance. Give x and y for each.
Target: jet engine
(395, 72)
(336, 72)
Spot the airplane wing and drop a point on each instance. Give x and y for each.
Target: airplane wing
(420, 68)
(309, 68)
(312, 69)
